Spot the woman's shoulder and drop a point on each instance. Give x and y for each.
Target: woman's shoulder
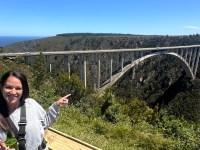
(33, 104)
(31, 101)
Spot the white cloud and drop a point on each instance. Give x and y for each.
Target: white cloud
(192, 27)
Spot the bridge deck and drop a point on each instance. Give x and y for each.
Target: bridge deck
(60, 141)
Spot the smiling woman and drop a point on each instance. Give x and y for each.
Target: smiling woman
(22, 115)
(12, 92)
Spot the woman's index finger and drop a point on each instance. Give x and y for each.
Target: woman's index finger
(68, 95)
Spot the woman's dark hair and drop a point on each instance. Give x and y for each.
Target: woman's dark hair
(25, 94)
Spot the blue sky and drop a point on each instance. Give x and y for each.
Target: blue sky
(51, 17)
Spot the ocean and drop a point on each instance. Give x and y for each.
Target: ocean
(7, 40)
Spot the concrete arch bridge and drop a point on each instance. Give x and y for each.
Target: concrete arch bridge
(101, 69)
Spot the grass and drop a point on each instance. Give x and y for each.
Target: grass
(109, 136)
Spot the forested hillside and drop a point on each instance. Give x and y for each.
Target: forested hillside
(81, 41)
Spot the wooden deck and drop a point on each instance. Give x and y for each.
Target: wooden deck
(60, 141)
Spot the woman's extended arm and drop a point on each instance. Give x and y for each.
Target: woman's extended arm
(53, 110)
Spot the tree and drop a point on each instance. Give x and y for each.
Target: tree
(39, 71)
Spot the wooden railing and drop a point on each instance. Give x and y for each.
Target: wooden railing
(57, 140)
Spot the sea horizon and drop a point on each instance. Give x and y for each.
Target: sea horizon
(7, 40)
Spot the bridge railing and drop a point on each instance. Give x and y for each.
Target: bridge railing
(95, 51)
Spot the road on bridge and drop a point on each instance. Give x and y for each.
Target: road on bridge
(60, 141)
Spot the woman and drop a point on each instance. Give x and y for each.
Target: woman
(14, 95)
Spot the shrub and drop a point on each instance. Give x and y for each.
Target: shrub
(73, 85)
(138, 111)
(180, 130)
(45, 94)
(187, 104)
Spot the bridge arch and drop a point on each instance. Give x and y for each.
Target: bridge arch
(185, 64)
(117, 76)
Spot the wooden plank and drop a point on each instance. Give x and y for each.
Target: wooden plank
(60, 141)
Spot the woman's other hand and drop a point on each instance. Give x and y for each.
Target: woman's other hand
(3, 146)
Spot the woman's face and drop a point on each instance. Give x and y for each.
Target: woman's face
(12, 91)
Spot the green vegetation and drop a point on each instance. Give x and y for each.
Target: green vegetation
(158, 109)
(116, 121)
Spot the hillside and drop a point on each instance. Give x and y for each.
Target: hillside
(85, 41)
